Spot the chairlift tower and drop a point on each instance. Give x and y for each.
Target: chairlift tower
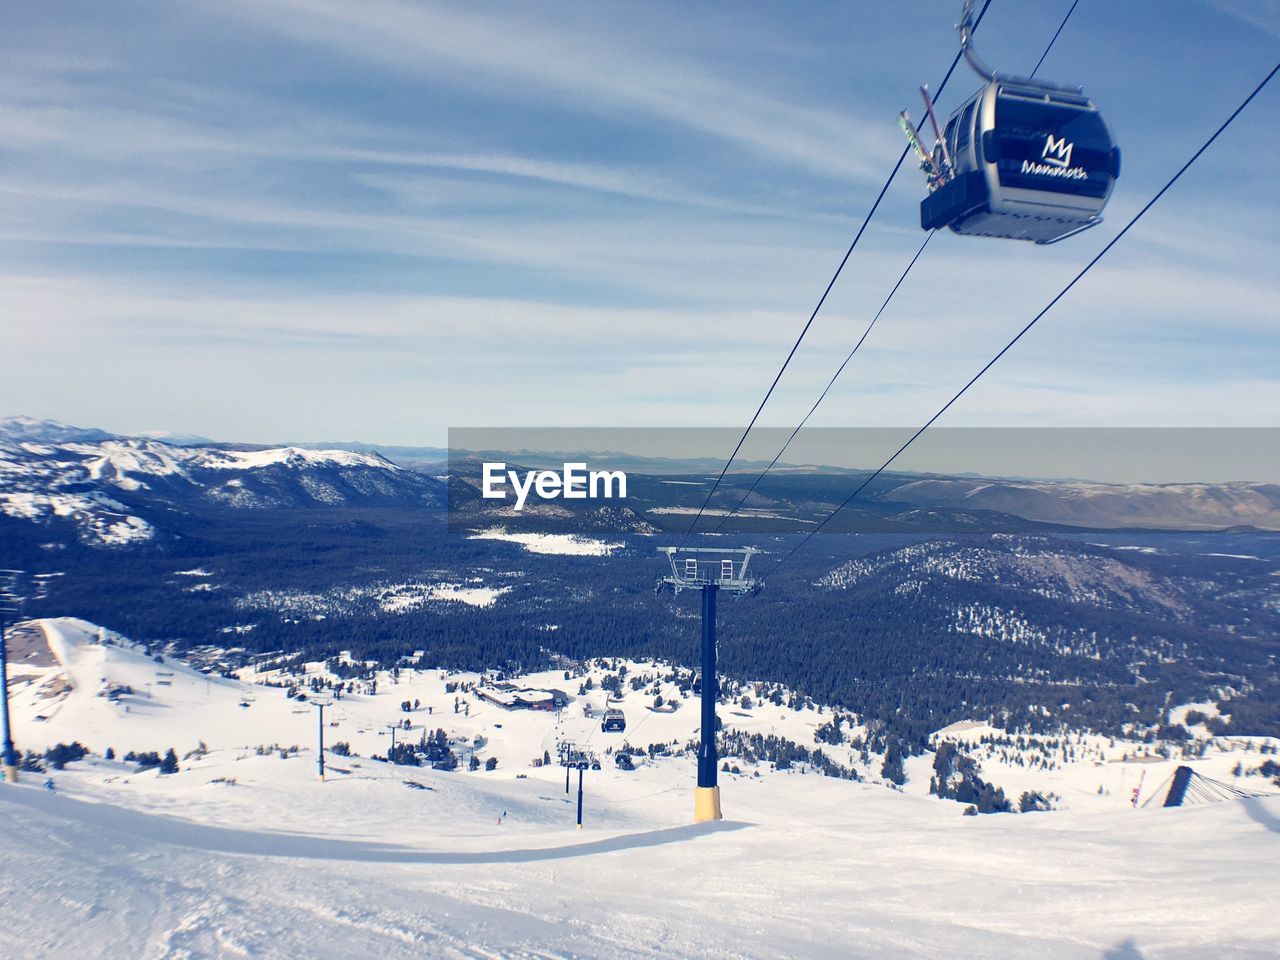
(708, 570)
(320, 750)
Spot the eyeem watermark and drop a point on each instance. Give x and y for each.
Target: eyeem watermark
(607, 482)
(574, 482)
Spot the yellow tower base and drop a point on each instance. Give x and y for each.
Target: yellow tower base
(706, 804)
(11, 774)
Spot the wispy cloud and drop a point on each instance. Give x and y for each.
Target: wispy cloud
(519, 57)
(1263, 14)
(673, 257)
(313, 217)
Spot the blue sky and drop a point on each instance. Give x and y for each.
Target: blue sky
(313, 219)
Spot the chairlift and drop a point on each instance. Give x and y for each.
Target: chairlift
(613, 721)
(1021, 159)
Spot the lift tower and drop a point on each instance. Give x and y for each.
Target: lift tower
(320, 749)
(709, 570)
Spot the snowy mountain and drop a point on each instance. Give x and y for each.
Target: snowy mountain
(1033, 566)
(324, 551)
(1173, 506)
(1028, 627)
(29, 429)
(120, 490)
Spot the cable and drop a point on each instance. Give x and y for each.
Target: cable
(755, 483)
(830, 383)
(821, 300)
(1055, 37)
(1034, 320)
(794, 347)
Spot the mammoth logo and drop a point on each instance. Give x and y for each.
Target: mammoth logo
(1057, 151)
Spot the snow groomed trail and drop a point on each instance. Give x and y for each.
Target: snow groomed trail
(826, 869)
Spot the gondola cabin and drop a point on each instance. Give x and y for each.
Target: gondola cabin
(613, 721)
(1024, 160)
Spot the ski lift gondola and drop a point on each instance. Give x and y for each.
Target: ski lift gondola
(614, 721)
(1022, 159)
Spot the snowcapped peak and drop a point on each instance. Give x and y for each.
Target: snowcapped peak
(294, 457)
(28, 429)
(80, 480)
(113, 459)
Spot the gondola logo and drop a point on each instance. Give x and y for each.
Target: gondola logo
(1057, 151)
(1055, 161)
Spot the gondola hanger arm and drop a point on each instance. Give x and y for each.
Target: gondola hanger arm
(971, 57)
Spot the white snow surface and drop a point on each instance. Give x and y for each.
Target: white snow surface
(384, 597)
(100, 520)
(247, 854)
(293, 456)
(560, 544)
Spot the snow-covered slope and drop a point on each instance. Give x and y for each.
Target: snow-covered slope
(364, 866)
(107, 691)
(71, 680)
(245, 853)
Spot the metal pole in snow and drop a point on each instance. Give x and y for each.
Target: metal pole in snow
(706, 804)
(321, 752)
(581, 769)
(707, 747)
(10, 754)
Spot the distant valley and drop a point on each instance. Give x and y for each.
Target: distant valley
(1037, 606)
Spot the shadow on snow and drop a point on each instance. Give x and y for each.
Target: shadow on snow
(119, 823)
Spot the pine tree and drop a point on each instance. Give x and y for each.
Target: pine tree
(170, 762)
